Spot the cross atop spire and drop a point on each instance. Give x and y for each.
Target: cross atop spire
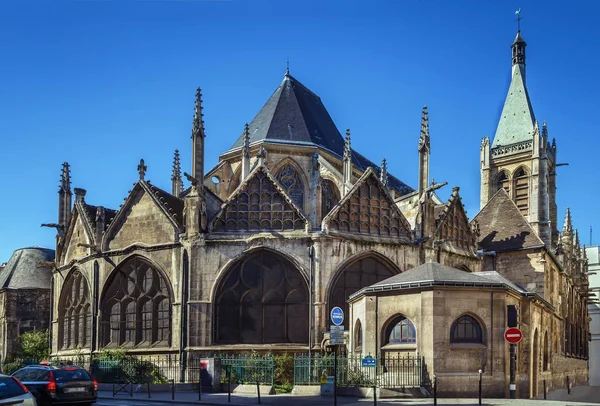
(65, 178)
(424, 140)
(142, 169)
(518, 14)
(287, 69)
(383, 176)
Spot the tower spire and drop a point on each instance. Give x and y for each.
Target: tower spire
(246, 153)
(176, 181)
(424, 151)
(384, 173)
(198, 136)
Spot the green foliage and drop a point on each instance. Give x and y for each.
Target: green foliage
(13, 366)
(35, 345)
(284, 373)
(111, 365)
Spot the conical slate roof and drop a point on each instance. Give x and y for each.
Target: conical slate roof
(295, 115)
(28, 268)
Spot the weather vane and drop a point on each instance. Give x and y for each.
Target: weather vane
(518, 14)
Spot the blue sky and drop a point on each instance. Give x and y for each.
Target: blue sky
(101, 84)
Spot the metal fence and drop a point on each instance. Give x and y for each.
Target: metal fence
(388, 372)
(247, 369)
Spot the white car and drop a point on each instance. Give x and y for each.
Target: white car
(13, 392)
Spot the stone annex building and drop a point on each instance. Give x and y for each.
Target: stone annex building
(292, 222)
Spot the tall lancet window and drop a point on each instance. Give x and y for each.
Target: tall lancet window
(502, 181)
(74, 313)
(331, 196)
(521, 182)
(289, 178)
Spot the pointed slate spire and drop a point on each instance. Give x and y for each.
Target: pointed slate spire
(517, 120)
(176, 181)
(64, 195)
(246, 153)
(142, 169)
(383, 176)
(198, 136)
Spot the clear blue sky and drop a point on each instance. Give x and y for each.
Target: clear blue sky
(101, 84)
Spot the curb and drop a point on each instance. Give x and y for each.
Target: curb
(170, 401)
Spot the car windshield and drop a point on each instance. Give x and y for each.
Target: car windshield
(68, 375)
(9, 388)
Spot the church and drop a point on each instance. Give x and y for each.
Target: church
(254, 253)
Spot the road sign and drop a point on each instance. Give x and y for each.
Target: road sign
(337, 316)
(336, 335)
(369, 361)
(513, 335)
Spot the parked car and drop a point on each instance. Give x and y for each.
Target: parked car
(13, 392)
(58, 385)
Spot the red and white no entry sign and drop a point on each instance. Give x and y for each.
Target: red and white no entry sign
(513, 335)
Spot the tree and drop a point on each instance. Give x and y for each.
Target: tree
(35, 345)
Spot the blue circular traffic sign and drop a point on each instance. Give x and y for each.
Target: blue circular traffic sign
(337, 316)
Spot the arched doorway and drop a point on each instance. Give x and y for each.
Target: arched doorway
(355, 276)
(136, 306)
(262, 299)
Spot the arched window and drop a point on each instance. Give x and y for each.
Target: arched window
(356, 276)
(136, 306)
(330, 196)
(466, 330)
(262, 299)
(74, 313)
(289, 178)
(400, 331)
(358, 339)
(521, 185)
(502, 181)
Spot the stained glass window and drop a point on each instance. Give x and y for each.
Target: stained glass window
(73, 312)
(290, 180)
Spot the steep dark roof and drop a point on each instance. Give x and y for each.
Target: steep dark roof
(90, 211)
(28, 269)
(502, 226)
(172, 202)
(434, 274)
(295, 115)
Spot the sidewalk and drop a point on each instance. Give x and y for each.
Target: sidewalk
(587, 395)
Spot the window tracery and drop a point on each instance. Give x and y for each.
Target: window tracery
(292, 184)
(74, 313)
(263, 299)
(136, 307)
(369, 210)
(259, 206)
(359, 274)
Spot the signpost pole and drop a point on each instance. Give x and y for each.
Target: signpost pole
(513, 367)
(335, 375)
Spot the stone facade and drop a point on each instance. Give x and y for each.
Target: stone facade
(291, 222)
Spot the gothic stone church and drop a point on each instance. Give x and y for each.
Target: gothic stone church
(291, 222)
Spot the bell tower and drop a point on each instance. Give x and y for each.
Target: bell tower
(520, 159)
